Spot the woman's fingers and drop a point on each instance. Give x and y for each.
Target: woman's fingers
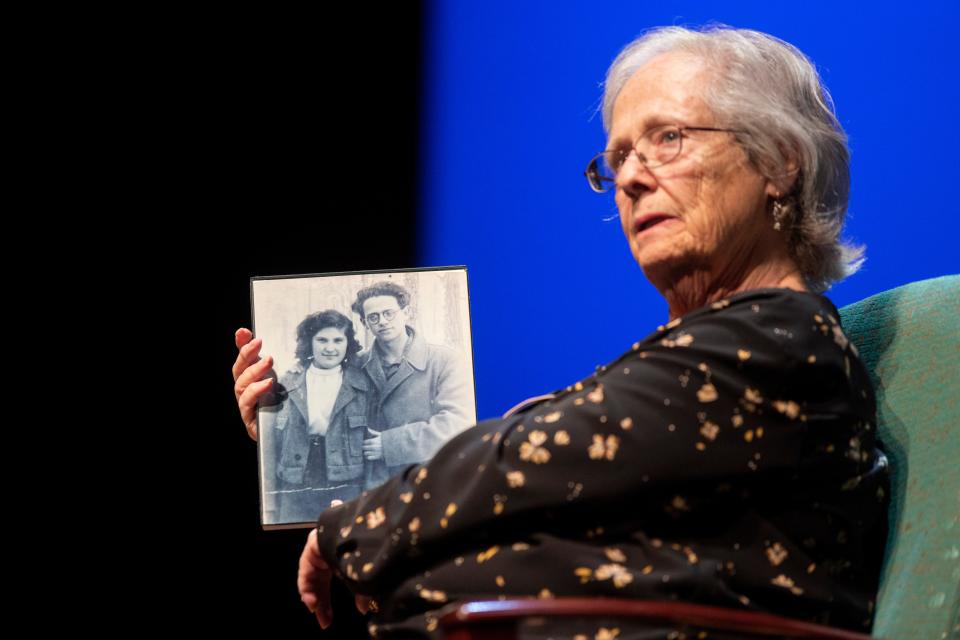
(249, 354)
(242, 336)
(248, 404)
(248, 376)
(313, 581)
(251, 374)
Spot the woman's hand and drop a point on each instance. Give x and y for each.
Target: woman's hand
(313, 581)
(248, 376)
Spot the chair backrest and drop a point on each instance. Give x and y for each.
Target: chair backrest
(909, 340)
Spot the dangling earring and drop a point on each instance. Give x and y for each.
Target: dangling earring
(779, 212)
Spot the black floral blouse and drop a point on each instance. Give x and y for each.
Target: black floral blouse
(727, 459)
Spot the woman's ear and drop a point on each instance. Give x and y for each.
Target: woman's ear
(782, 183)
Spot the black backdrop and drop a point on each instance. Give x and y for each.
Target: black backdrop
(285, 144)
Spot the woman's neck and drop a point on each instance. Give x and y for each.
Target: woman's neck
(698, 288)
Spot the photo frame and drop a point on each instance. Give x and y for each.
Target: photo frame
(373, 372)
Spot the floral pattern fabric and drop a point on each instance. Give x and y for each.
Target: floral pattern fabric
(727, 459)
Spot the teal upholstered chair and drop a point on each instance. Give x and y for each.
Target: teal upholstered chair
(909, 340)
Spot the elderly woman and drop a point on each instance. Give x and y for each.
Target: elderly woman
(729, 457)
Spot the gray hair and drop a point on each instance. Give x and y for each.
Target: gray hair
(768, 90)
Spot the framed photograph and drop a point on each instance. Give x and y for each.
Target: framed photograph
(373, 372)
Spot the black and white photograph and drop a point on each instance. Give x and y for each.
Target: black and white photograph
(372, 372)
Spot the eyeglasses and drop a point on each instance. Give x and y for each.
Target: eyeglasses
(655, 148)
(388, 315)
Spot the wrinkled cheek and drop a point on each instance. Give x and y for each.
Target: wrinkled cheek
(624, 207)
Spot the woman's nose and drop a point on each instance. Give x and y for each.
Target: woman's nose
(634, 177)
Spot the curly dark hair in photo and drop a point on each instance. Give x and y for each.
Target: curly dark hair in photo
(380, 289)
(318, 321)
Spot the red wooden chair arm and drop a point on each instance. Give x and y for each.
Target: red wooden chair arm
(482, 619)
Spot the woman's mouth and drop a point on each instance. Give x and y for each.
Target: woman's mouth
(649, 220)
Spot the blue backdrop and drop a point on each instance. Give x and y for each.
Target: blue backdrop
(509, 122)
